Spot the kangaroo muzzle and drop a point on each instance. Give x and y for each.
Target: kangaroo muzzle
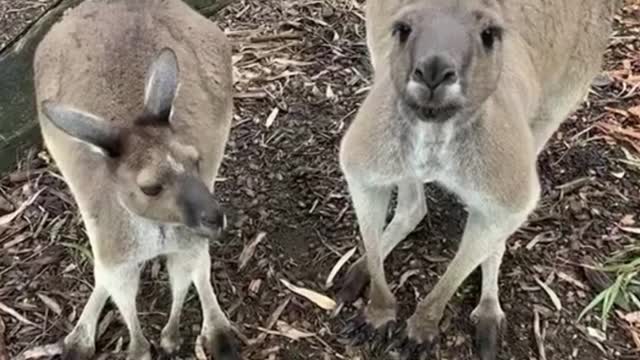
(199, 207)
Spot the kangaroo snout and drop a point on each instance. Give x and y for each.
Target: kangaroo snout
(434, 88)
(200, 208)
(435, 71)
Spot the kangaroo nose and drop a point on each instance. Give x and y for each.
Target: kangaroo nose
(435, 71)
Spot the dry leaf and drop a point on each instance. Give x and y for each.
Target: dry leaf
(41, 351)
(336, 268)
(286, 74)
(51, 304)
(119, 344)
(291, 332)
(273, 318)
(552, 295)
(107, 319)
(249, 250)
(288, 62)
(322, 301)
(4, 355)
(8, 218)
(628, 220)
(16, 315)
(635, 111)
(617, 111)
(544, 237)
(632, 318)
(617, 129)
(329, 93)
(276, 314)
(632, 230)
(539, 335)
(598, 335)
(436, 259)
(406, 276)
(571, 280)
(254, 286)
(592, 340)
(272, 117)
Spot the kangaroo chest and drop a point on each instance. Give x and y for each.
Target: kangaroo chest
(152, 239)
(143, 239)
(428, 150)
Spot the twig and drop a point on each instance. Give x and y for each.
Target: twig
(552, 295)
(539, 335)
(3, 346)
(38, 352)
(249, 250)
(16, 315)
(275, 316)
(276, 37)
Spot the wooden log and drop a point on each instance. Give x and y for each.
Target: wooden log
(18, 115)
(18, 123)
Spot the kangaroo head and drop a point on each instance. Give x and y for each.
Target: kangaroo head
(446, 57)
(154, 168)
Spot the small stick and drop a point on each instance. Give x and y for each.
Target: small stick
(4, 355)
(539, 335)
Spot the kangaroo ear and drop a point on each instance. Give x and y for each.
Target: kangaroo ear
(161, 85)
(84, 127)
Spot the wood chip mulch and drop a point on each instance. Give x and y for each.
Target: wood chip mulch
(301, 70)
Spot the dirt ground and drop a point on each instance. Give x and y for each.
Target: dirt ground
(301, 71)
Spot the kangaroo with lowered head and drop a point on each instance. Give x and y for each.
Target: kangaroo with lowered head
(466, 93)
(135, 105)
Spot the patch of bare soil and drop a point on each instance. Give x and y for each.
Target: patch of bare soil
(302, 70)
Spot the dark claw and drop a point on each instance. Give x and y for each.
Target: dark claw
(354, 283)
(385, 336)
(361, 332)
(357, 330)
(158, 353)
(487, 336)
(412, 349)
(223, 346)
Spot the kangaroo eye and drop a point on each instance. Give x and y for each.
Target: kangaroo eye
(402, 30)
(490, 35)
(152, 190)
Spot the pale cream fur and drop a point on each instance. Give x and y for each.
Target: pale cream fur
(95, 60)
(551, 51)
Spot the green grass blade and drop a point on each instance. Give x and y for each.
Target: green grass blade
(597, 300)
(610, 299)
(83, 250)
(635, 300)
